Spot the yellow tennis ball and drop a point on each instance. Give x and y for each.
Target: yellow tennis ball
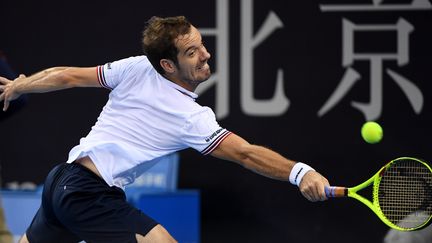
(372, 132)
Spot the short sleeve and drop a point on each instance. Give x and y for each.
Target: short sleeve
(112, 73)
(203, 133)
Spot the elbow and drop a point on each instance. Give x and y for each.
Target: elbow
(64, 77)
(244, 154)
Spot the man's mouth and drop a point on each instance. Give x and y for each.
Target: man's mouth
(203, 67)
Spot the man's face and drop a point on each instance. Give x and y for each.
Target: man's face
(192, 58)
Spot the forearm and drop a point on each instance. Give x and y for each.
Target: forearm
(257, 158)
(50, 79)
(266, 162)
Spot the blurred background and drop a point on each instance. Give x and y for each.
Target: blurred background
(300, 77)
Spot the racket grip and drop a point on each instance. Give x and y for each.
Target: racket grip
(335, 191)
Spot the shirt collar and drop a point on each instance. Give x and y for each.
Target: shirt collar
(180, 88)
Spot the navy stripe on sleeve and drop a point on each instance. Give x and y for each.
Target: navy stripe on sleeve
(216, 142)
(101, 77)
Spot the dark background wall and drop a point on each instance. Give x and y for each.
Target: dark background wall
(237, 205)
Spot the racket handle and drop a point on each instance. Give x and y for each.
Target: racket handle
(336, 191)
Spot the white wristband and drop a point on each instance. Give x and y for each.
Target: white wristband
(297, 173)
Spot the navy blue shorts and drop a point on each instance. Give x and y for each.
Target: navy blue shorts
(78, 205)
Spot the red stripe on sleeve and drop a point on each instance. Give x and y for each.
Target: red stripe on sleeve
(216, 143)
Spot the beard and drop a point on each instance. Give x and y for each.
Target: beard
(201, 75)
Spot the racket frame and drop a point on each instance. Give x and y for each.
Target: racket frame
(335, 191)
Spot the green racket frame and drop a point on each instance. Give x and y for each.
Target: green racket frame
(335, 191)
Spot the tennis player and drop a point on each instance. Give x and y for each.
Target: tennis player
(151, 112)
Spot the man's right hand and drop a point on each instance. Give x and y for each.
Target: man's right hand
(312, 186)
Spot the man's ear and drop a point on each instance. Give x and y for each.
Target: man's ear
(168, 65)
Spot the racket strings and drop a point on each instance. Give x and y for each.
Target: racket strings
(405, 193)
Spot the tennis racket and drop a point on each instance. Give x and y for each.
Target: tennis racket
(401, 194)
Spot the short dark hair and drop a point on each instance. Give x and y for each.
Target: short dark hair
(158, 39)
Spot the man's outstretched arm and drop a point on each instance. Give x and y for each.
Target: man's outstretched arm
(50, 79)
(267, 162)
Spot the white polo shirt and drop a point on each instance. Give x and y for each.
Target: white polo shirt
(145, 118)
